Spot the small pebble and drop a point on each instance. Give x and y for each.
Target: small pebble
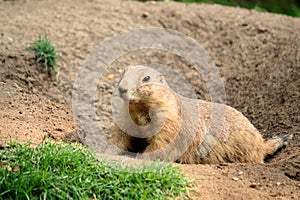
(151, 2)
(253, 185)
(240, 173)
(10, 39)
(235, 178)
(145, 14)
(278, 183)
(16, 169)
(110, 77)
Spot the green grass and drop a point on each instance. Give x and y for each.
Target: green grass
(45, 53)
(69, 171)
(287, 7)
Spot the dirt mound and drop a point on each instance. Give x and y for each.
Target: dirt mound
(256, 53)
(21, 70)
(28, 117)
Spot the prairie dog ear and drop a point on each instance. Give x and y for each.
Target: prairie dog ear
(162, 79)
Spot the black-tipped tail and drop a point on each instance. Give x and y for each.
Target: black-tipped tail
(285, 139)
(275, 144)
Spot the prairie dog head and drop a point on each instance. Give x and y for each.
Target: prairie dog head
(142, 89)
(137, 79)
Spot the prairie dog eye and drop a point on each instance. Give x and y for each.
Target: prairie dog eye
(146, 79)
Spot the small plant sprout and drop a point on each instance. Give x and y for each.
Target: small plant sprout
(45, 53)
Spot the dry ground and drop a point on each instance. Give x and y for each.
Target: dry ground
(257, 54)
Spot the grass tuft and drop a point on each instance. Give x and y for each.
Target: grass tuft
(45, 53)
(289, 7)
(69, 171)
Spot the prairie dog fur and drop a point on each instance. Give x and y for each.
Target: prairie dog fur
(157, 123)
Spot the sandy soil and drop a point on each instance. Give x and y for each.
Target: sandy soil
(257, 54)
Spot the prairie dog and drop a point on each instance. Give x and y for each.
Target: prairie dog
(157, 123)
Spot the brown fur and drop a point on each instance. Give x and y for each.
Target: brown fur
(169, 125)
